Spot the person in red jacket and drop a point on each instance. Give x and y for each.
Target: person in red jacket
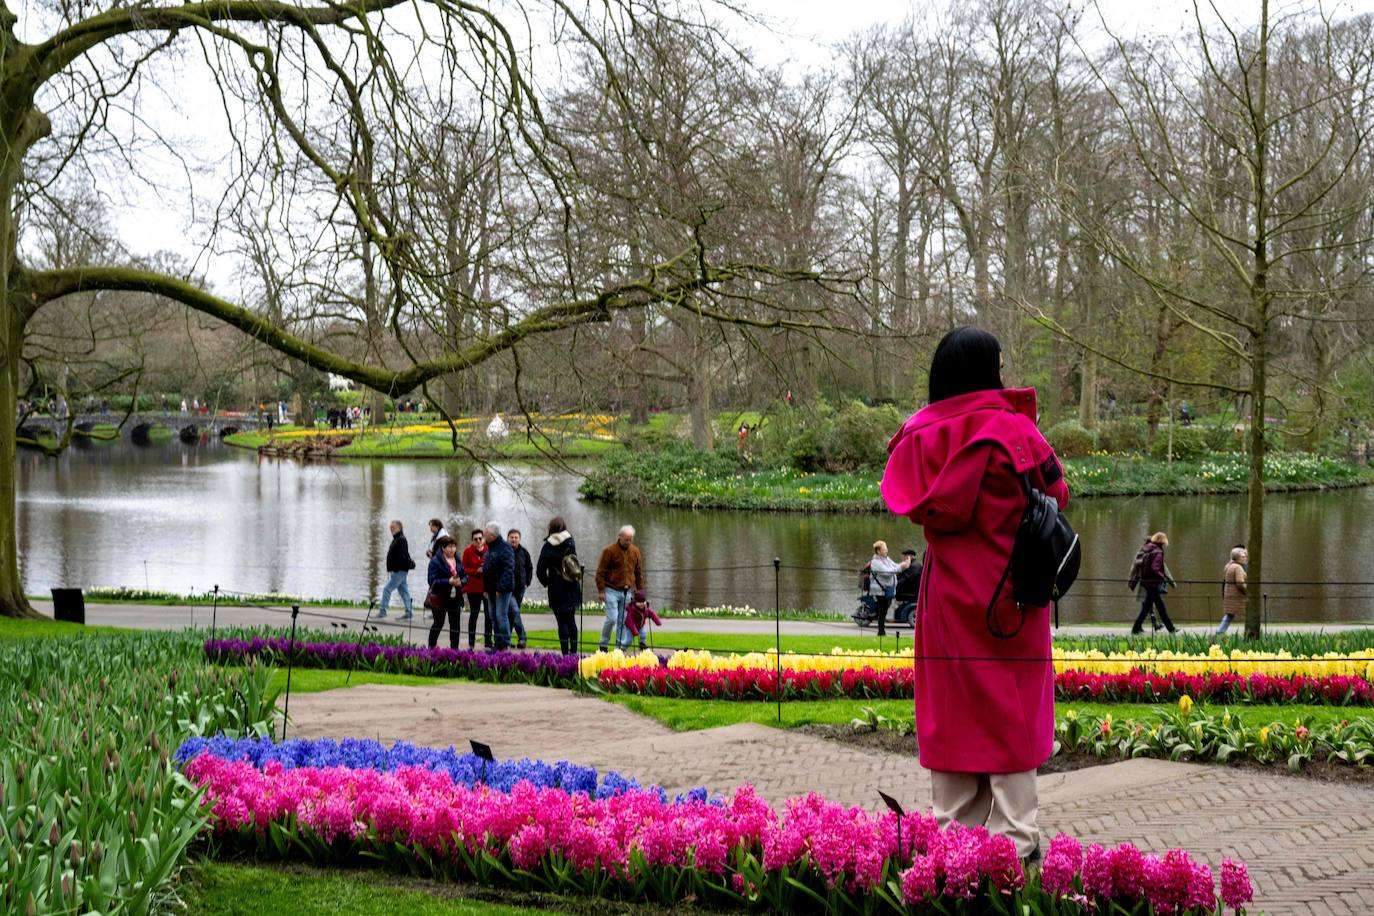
(984, 705)
(473, 555)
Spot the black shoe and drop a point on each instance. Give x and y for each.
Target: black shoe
(520, 645)
(1032, 860)
(1137, 632)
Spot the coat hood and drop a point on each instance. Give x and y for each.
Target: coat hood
(559, 538)
(937, 460)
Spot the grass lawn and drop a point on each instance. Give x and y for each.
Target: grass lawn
(11, 628)
(689, 715)
(238, 889)
(314, 680)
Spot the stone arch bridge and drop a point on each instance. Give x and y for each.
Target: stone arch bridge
(138, 427)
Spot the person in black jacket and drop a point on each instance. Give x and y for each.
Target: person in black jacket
(524, 575)
(565, 594)
(398, 567)
(498, 578)
(445, 583)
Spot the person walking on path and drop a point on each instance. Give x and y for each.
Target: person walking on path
(436, 531)
(1153, 577)
(475, 589)
(445, 578)
(398, 567)
(984, 704)
(524, 575)
(498, 576)
(560, 572)
(637, 618)
(882, 582)
(1233, 588)
(619, 574)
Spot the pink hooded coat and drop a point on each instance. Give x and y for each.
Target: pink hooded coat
(953, 470)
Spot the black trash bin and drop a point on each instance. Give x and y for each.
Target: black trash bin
(69, 604)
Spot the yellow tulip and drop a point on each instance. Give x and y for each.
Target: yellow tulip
(1264, 736)
(1185, 704)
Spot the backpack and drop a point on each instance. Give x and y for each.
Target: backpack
(1045, 559)
(1138, 566)
(866, 579)
(570, 568)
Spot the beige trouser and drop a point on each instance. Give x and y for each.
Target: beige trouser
(1006, 803)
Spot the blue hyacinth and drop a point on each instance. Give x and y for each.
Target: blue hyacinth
(463, 768)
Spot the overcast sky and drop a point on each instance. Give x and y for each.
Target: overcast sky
(800, 35)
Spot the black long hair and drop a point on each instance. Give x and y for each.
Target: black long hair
(966, 360)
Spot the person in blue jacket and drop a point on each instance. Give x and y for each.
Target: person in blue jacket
(446, 586)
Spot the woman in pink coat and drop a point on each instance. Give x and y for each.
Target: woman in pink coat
(984, 704)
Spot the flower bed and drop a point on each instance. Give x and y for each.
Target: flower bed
(636, 845)
(1358, 664)
(1185, 734)
(542, 668)
(749, 683)
(465, 769)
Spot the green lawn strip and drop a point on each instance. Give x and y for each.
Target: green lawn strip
(11, 628)
(314, 680)
(240, 889)
(690, 715)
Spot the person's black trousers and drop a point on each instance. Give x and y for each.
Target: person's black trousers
(567, 631)
(454, 613)
(477, 604)
(1152, 597)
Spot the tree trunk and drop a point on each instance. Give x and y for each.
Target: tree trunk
(1254, 543)
(17, 132)
(13, 603)
(699, 392)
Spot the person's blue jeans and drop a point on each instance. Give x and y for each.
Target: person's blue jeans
(1225, 624)
(396, 582)
(498, 612)
(617, 599)
(517, 626)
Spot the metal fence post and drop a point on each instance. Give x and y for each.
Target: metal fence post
(290, 655)
(777, 628)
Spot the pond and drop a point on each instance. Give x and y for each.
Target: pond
(187, 517)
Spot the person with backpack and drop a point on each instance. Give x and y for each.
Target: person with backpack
(398, 567)
(1152, 577)
(961, 468)
(559, 571)
(1233, 588)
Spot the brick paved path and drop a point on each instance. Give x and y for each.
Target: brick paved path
(1309, 845)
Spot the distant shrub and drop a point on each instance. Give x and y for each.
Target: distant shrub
(1070, 439)
(859, 436)
(1127, 434)
(1189, 443)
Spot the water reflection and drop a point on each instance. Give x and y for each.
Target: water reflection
(173, 516)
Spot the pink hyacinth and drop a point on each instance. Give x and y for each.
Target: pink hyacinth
(1097, 873)
(918, 881)
(533, 828)
(1000, 862)
(1128, 871)
(1057, 873)
(1236, 889)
